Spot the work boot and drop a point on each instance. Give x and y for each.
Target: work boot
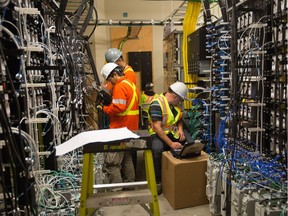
(159, 188)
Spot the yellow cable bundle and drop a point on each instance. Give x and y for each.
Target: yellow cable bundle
(189, 26)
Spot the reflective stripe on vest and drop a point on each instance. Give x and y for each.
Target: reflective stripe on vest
(149, 98)
(145, 105)
(128, 69)
(128, 111)
(168, 120)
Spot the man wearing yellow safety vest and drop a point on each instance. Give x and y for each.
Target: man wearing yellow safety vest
(146, 97)
(122, 112)
(165, 124)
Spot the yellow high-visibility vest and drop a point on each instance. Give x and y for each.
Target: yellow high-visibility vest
(128, 111)
(169, 121)
(145, 102)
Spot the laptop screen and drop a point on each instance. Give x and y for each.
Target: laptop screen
(189, 150)
(192, 148)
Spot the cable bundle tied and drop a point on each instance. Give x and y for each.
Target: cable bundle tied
(189, 26)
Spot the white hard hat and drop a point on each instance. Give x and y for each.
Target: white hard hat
(107, 69)
(180, 89)
(112, 55)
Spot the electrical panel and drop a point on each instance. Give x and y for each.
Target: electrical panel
(142, 62)
(197, 53)
(172, 59)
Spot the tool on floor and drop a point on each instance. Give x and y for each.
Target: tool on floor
(90, 201)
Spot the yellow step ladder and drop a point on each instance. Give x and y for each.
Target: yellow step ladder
(90, 201)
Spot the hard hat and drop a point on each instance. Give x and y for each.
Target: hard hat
(107, 69)
(180, 89)
(112, 55)
(149, 85)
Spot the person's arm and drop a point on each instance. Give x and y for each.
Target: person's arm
(142, 98)
(163, 136)
(119, 101)
(181, 131)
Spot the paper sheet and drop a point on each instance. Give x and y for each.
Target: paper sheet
(104, 135)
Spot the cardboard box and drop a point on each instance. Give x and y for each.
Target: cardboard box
(184, 181)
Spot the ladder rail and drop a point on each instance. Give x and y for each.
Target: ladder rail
(90, 201)
(125, 184)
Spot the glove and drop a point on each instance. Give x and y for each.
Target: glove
(99, 107)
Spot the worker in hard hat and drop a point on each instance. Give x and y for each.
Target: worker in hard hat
(165, 124)
(115, 55)
(146, 97)
(122, 112)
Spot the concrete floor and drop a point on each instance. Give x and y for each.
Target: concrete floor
(165, 207)
(165, 210)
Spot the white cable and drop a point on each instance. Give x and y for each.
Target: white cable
(32, 144)
(218, 42)
(12, 36)
(57, 127)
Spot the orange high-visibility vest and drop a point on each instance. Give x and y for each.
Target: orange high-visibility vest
(124, 109)
(130, 74)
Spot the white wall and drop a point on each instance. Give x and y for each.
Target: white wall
(140, 9)
(158, 71)
(101, 40)
(137, 10)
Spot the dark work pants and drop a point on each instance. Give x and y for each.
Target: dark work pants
(158, 146)
(134, 159)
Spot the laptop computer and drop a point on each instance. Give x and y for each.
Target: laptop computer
(189, 149)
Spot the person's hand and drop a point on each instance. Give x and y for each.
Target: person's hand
(99, 107)
(176, 145)
(181, 135)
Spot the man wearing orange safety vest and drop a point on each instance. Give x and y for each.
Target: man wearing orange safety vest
(165, 124)
(115, 55)
(122, 112)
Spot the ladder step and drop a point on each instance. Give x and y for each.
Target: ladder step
(126, 184)
(118, 198)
